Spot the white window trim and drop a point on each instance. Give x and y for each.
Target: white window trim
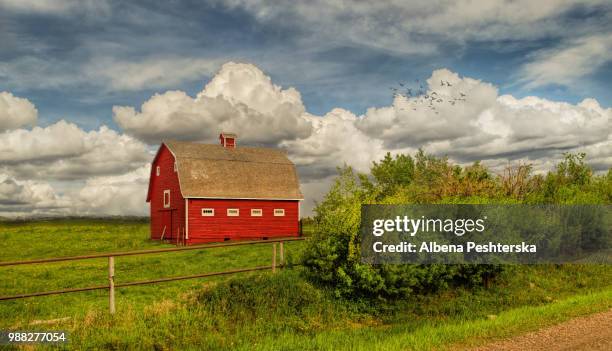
(157, 171)
(256, 212)
(279, 212)
(167, 205)
(175, 167)
(231, 214)
(211, 214)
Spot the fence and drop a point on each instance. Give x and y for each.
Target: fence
(111, 267)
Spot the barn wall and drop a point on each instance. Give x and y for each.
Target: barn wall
(221, 227)
(160, 216)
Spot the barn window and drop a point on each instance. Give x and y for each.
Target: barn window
(157, 171)
(233, 212)
(279, 212)
(256, 212)
(166, 198)
(208, 212)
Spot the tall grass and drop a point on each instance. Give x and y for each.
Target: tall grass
(284, 311)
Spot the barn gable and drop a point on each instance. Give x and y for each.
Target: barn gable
(153, 171)
(164, 195)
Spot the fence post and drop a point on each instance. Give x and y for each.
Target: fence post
(274, 258)
(282, 254)
(111, 284)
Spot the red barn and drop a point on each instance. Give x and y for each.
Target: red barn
(204, 193)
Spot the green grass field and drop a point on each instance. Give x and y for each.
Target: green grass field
(79, 237)
(261, 310)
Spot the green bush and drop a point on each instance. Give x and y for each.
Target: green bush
(261, 302)
(333, 253)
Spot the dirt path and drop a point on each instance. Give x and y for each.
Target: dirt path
(592, 332)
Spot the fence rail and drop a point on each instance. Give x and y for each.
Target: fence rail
(146, 252)
(111, 267)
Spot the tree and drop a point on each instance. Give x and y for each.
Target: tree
(392, 173)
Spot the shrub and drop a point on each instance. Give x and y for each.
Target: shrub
(333, 254)
(281, 302)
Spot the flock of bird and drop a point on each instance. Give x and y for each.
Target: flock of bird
(426, 98)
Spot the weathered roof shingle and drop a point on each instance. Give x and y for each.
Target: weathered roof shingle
(213, 171)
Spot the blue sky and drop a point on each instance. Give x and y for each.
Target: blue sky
(59, 41)
(88, 89)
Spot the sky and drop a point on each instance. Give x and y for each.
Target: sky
(88, 89)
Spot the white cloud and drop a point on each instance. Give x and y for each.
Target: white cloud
(240, 98)
(414, 121)
(55, 7)
(335, 140)
(26, 72)
(148, 73)
(32, 160)
(107, 73)
(37, 6)
(121, 195)
(400, 25)
(486, 125)
(64, 151)
(16, 112)
(28, 197)
(564, 65)
(14, 193)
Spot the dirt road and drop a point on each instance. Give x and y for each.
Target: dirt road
(585, 333)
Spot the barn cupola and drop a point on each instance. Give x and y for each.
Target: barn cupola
(228, 140)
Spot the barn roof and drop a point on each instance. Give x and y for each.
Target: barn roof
(213, 171)
(229, 135)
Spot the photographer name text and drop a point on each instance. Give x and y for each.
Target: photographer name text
(470, 246)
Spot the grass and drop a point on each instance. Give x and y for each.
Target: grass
(76, 237)
(261, 310)
(452, 333)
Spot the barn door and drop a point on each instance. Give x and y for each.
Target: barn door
(166, 225)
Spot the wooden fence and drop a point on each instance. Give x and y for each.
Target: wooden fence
(111, 267)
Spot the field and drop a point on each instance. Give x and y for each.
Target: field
(261, 310)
